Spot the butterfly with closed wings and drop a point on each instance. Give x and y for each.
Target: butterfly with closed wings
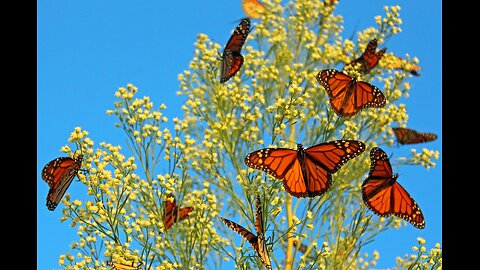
(232, 60)
(257, 241)
(59, 174)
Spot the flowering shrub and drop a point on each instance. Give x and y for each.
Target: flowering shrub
(274, 100)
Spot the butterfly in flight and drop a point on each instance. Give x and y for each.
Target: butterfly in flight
(253, 8)
(59, 174)
(232, 60)
(305, 172)
(173, 213)
(347, 95)
(330, 2)
(121, 266)
(400, 63)
(385, 196)
(410, 136)
(257, 241)
(369, 58)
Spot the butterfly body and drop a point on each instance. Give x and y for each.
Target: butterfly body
(305, 172)
(59, 174)
(232, 60)
(348, 95)
(385, 196)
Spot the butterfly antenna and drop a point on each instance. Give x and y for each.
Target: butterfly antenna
(354, 30)
(385, 41)
(239, 20)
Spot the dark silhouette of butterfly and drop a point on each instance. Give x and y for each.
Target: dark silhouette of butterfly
(300, 246)
(173, 213)
(369, 58)
(305, 172)
(347, 95)
(385, 196)
(410, 136)
(232, 60)
(121, 266)
(257, 241)
(59, 174)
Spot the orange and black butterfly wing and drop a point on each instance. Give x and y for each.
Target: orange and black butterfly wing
(59, 174)
(232, 60)
(377, 188)
(258, 243)
(259, 227)
(253, 8)
(369, 58)
(173, 213)
(323, 160)
(414, 71)
(258, 216)
(367, 96)
(309, 175)
(348, 96)
(281, 163)
(384, 196)
(184, 212)
(231, 64)
(121, 266)
(249, 236)
(410, 136)
(239, 36)
(339, 87)
(398, 63)
(170, 211)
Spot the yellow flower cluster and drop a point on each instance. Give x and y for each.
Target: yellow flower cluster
(423, 259)
(424, 158)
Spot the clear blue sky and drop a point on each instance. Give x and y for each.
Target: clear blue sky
(87, 49)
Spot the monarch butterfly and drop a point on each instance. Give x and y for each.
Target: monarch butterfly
(400, 63)
(59, 174)
(257, 241)
(173, 212)
(369, 57)
(253, 8)
(330, 2)
(232, 60)
(305, 172)
(347, 95)
(410, 136)
(121, 266)
(384, 196)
